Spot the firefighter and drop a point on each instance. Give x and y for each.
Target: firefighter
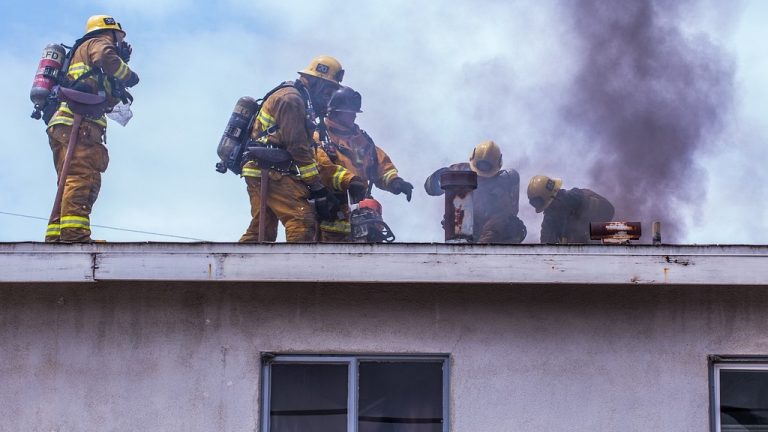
(496, 199)
(100, 60)
(567, 214)
(351, 162)
(285, 121)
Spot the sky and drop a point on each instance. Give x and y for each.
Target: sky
(437, 78)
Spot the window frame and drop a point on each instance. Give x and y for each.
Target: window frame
(352, 361)
(728, 362)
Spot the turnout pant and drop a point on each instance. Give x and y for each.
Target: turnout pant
(81, 187)
(287, 201)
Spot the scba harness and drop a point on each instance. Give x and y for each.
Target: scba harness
(53, 74)
(236, 147)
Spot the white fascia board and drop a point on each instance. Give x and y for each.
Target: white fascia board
(46, 267)
(387, 263)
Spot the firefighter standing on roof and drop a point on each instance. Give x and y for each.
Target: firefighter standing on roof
(496, 199)
(350, 161)
(286, 121)
(98, 57)
(567, 214)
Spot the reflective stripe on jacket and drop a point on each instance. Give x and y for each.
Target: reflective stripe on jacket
(333, 176)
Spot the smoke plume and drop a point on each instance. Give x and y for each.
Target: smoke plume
(646, 101)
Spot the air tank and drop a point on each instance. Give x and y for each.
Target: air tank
(232, 144)
(47, 74)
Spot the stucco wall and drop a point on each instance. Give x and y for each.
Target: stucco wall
(127, 356)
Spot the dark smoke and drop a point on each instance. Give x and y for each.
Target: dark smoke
(646, 101)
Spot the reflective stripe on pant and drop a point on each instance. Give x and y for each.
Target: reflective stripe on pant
(333, 236)
(286, 202)
(82, 184)
(337, 230)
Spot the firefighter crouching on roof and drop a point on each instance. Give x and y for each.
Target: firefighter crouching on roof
(286, 121)
(350, 161)
(567, 214)
(496, 199)
(97, 53)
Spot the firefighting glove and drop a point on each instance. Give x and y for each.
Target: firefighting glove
(132, 80)
(326, 204)
(432, 184)
(357, 190)
(124, 50)
(399, 186)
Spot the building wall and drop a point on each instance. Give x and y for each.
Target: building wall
(127, 356)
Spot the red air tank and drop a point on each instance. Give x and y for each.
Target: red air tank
(47, 74)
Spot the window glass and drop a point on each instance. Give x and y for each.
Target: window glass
(400, 397)
(743, 400)
(308, 398)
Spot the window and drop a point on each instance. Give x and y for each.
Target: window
(354, 393)
(739, 394)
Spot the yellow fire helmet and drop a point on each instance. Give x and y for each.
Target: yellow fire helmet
(486, 159)
(325, 67)
(102, 22)
(542, 191)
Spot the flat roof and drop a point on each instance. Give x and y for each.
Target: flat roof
(383, 263)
